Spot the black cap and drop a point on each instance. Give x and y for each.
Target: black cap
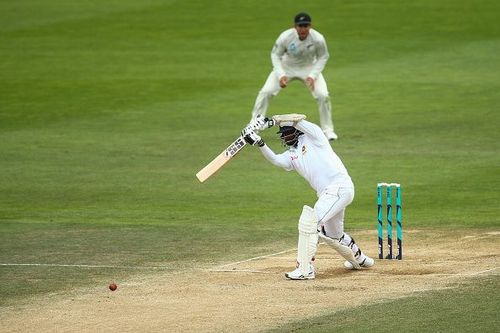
(302, 18)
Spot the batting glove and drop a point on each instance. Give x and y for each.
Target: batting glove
(251, 137)
(259, 123)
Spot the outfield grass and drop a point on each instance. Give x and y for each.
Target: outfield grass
(464, 308)
(109, 108)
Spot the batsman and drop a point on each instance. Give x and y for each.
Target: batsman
(310, 154)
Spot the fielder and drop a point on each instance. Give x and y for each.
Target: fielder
(300, 53)
(310, 154)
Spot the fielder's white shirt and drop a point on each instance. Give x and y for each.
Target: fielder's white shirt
(290, 54)
(314, 159)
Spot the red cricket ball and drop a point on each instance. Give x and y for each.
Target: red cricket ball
(113, 286)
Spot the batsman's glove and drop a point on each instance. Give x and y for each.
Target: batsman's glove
(251, 137)
(259, 123)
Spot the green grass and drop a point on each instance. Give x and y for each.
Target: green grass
(118, 251)
(109, 108)
(464, 308)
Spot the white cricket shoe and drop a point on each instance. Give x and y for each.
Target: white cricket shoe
(297, 274)
(331, 136)
(368, 262)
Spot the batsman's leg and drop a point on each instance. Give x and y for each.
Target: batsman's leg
(307, 246)
(339, 245)
(362, 259)
(330, 208)
(271, 88)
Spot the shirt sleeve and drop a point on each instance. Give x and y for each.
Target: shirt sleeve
(277, 53)
(281, 160)
(322, 56)
(313, 131)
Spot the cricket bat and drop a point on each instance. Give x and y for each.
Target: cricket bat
(221, 160)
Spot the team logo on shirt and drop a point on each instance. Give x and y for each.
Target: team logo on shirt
(304, 150)
(292, 48)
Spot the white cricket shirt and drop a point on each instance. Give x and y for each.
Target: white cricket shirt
(314, 159)
(292, 54)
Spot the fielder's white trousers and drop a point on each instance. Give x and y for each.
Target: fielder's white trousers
(330, 209)
(320, 93)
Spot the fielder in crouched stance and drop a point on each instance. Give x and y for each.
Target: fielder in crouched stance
(310, 154)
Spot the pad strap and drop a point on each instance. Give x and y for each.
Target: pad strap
(343, 250)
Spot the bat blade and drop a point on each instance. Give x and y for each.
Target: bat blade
(221, 159)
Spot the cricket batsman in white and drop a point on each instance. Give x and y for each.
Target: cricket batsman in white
(310, 154)
(299, 53)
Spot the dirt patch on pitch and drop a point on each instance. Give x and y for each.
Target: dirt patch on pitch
(253, 295)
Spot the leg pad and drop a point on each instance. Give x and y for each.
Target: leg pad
(308, 238)
(343, 250)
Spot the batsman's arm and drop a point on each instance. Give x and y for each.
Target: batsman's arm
(313, 131)
(259, 123)
(290, 119)
(299, 121)
(281, 160)
(252, 138)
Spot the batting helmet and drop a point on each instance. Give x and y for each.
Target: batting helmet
(289, 135)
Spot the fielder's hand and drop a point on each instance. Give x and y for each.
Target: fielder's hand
(251, 137)
(310, 83)
(283, 81)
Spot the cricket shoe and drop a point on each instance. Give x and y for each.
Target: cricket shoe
(331, 136)
(297, 274)
(368, 262)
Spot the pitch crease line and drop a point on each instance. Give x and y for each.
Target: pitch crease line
(84, 266)
(255, 258)
(239, 271)
(485, 271)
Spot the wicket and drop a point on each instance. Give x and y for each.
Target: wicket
(399, 226)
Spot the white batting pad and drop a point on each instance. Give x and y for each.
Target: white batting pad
(343, 250)
(308, 238)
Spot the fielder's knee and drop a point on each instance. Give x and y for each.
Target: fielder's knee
(322, 99)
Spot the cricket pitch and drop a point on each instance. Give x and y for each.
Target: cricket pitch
(253, 295)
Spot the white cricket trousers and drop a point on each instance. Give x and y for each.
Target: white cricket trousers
(320, 93)
(330, 209)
